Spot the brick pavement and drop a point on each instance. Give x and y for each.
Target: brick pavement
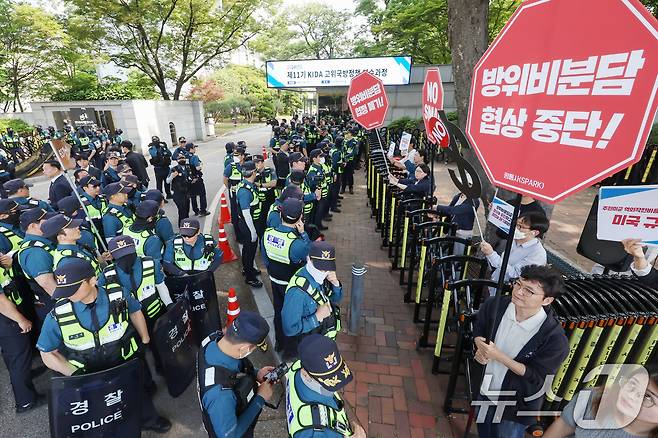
(394, 392)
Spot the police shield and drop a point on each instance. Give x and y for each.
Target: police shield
(175, 343)
(199, 289)
(103, 404)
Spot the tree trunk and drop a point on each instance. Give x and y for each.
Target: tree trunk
(163, 90)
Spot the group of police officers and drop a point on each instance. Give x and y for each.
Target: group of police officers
(82, 276)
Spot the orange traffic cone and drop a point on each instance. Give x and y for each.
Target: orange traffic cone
(233, 307)
(264, 153)
(222, 243)
(224, 211)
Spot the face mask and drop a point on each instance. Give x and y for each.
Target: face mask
(519, 235)
(314, 385)
(126, 262)
(236, 159)
(318, 276)
(322, 160)
(242, 356)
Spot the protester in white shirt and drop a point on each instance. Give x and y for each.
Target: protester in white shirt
(526, 248)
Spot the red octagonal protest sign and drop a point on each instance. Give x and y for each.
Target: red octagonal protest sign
(565, 95)
(432, 99)
(367, 100)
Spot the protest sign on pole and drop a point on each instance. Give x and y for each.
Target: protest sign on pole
(628, 212)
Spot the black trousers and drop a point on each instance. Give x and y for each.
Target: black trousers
(335, 190)
(17, 355)
(248, 255)
(161, 181)
(348, 176)
(278, 293)
(198, 189)
(182, 201)
(149, 414)
(321, 210)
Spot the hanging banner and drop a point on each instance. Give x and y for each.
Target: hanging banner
(627, 212)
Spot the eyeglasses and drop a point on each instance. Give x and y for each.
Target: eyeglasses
(528, 291)
(522, 227)
(635, 388)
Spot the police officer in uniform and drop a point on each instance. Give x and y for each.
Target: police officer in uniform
(11, 235)
(274, 214)
(316, 179)
(231, 391)
(66, 232)
(198, 187)
(73, 341)
(233, 177)
(117, 216)
(35, 257)
(180, 179)
(297, 178)
(284, 249)
(249, 212)
(266, 183)
(161, 160)
(228, 158)
(70, 206)
(110, 174)
(93, 201)
(15, 344)
(190, 251)
(312, 296)
(147, 242)
(314, 407)
(163, 227)
(350, 149)
(19, 191)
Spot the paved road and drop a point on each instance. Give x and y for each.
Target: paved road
(183, 411)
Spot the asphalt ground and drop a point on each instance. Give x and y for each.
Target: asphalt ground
(183, 411)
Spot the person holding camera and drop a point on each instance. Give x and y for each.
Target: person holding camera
(161, 160)
(232, 392)
(180, 178)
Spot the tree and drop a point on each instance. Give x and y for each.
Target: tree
(170, 41)
(312, 30)
(206, 90)
(84, 86)
(27, 36)
(652, 6)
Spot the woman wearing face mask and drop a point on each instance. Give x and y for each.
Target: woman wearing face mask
(527, 248)
(310, 304)
(628, 409)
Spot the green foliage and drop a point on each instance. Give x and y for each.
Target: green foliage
(453, 117)
(311, 30)
(406, 123)
(169, 41)
(17, 125)
(417, 27)
(652, 6)
(86, 87)
(653, 135)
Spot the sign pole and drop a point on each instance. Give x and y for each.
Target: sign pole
(101, 241)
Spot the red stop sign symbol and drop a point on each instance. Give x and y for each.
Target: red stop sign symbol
(439, 132)
(432, 99)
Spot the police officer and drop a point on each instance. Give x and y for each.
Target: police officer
(316, 178)
(142, 230)
(350, 149)
(19, 191)
(70, 206)
(180, 149)
(232, 177)
(135, 194)
(284, 249)
(266, 183)
(73, 341)
(93, 201)
(274, 214)
(337, 169)
(11, 235)
(35, 257)
(249, 212)
(198, 186)
(110, 174)
(117, 215)
(312, 295)
(163, 227)
(59, 186)
(161, 160)
(181, 183)
(190, 251)
(230, 147)
(314, 406)
(66, 232)
(231, 391)
(298, 178)
(15, 344)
